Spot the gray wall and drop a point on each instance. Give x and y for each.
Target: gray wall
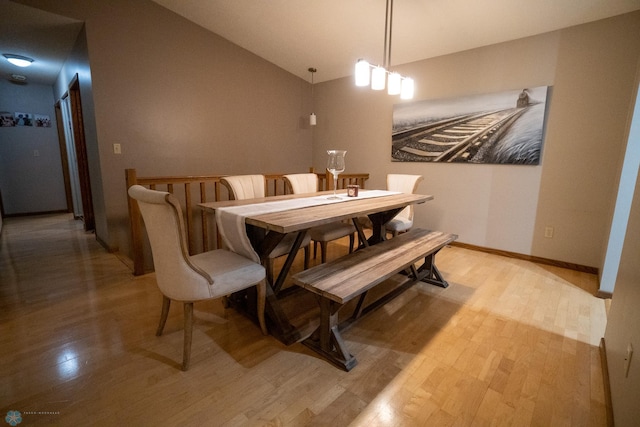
(181, 101)
(30, 182)
(591, 69)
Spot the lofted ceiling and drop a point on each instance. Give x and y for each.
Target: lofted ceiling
(329, 35)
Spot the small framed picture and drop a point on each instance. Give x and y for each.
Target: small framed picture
(42, 121)
(7, 119)
(23, 119)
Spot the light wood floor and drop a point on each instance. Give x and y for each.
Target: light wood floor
(508, 343)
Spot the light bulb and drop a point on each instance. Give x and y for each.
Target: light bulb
(362, 73)
(378, 77)
(407, 88)
(394, 84)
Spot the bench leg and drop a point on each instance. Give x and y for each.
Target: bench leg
(429, 273)
(327, 341)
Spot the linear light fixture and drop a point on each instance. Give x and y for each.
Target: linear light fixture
(19, 60)
(379, 76)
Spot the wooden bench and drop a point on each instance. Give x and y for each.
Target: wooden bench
(349, 277)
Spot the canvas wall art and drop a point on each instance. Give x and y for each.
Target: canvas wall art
(23, 119)
(6, 119)
(498, 128)
(42, 121)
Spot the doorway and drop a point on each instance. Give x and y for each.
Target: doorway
(626, 187)
(73, 152)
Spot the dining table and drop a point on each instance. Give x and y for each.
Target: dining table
(254, 227)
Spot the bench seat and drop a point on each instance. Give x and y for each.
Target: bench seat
(341, 280)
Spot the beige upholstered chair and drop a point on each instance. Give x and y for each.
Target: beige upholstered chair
(253, 186)
(186, 278)
(308, 183)
(404, 184)
(245, 186)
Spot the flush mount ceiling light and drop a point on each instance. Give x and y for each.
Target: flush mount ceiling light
(19, 60)
(379, 76)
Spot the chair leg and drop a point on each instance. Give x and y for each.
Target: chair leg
(188, 332)
(262, 295)
(270, 270)
(307, 255)
(323, 252)
(166, 302)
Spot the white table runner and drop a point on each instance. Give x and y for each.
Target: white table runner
(231, 220)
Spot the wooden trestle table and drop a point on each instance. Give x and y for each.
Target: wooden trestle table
(266, 230)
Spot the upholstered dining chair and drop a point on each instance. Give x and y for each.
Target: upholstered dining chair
(186, 278)
(301, 183)
(243, 187)
(403, 221)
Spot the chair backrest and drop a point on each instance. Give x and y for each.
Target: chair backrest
(301, 183)
(177, 277)
(404, 184)
(245, 186)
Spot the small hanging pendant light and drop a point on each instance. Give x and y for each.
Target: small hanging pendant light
(312, 116)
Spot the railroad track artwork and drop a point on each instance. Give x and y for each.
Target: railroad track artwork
(477, 137)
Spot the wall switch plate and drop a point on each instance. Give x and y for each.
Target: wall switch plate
(117, 149)
(548, 232)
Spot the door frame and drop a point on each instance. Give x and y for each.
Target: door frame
(81, 153)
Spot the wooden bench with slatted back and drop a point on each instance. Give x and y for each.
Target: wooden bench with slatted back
(341, 280)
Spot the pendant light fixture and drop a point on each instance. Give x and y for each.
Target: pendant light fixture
(312, 116)
(379, 76)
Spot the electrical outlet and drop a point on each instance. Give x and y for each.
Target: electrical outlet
(36, 153)
(117, 149)
(627, 360)
(548, 232)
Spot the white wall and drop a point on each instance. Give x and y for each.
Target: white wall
(630, 165)
(30, 166)
(623, 326)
